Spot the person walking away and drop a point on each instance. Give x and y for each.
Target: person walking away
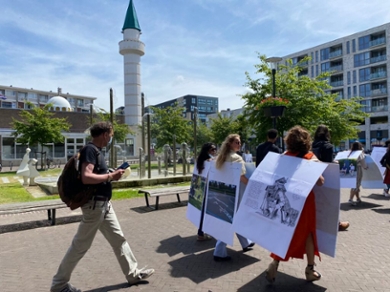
(323, 149)
(247, 156)
(228, 153)
(360, 165)
(207, 153)
(263, 148)
(98, 214)
(386, 174)
(304, 240)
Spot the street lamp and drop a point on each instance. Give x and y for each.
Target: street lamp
(273, 61)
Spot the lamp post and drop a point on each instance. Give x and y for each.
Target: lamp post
(272, 61)
(195, 122)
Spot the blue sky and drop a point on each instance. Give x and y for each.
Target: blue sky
(201, 47)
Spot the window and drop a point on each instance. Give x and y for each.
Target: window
(316, 56)
(324, 54)
(317, 73)
(354, 76)
(312, 71)
(353, 46)
(312, 57)
(349, 92)
(6, 104)
(347, 47)
(364, 74)
(32, 96)
(80, 102)
(354, 91)
(22, 95)
(193, 100)
(348, 77)
(8, 148)
(361, 59)
(364, 42)
(43, 98)
(325, 67)
(365, 90)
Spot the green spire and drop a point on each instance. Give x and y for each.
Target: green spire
(131, 20)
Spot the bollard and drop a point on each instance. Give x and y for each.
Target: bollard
(159, 164)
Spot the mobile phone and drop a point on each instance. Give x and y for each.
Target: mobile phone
(124, 165)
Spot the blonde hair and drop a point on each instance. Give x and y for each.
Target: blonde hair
(225, 150)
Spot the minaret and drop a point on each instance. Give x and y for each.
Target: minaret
(132, 49)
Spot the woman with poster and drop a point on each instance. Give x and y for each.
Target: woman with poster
(360, 164)
(227, 153)
(304, 240)
(207, 153)
(386, 174)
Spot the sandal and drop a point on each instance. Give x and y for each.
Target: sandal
(311, 274)
(270, 273)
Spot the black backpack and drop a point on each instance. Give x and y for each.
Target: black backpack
(383, 161)
(70, 187)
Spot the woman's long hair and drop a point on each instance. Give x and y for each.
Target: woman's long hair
(322, 133)
(203, 156)
(298, 140)
(355, 147)
(225, 149)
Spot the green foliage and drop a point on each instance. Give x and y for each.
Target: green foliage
(38, 126)
(310, 102)
(221, 127)
(120, 130)
(168, 122)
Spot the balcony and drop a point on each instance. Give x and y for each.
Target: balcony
(336, 69)
(380, 108)
(336, 83)
(377, 92)
(377, 42)
(378, 59)
(335, 54)
(378, 75)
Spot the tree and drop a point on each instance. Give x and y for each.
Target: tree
(168, 122)
(221, 127)
(39, 126)
(310, 102)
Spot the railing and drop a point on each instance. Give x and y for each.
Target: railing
(377, 92)
(377, 42)
(335, 54)
(378, 59)
(377, 75)
(337, 83)
(381, 108)
(336, 68)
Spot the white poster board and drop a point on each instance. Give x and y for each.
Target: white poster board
(327, 199)
(372, 176)
(274, 198)
(347, 167)
(221, 201)
(377, 154)
(196, 195)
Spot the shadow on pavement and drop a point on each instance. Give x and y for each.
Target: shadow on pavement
(382, 211)
(161, 206)
(363, 205)
(37, 224)
(283, 283)
(186, 245)
(379, 197)
(201, 267)
(115, 287)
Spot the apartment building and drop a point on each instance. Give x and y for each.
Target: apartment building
(358, 64)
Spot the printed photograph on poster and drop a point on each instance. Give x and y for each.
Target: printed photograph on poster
(276, 205)
(221, 200)
(347, 167)
(372, 176)
(197, 191)
(377, 155)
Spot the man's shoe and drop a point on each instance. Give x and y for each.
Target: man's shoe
(70, 288)
(343, 225)
(143, 274)
(204, 237)
(351, 202)
(248, 248)
(222, 259)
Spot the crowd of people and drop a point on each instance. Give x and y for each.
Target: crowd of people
(98, 213)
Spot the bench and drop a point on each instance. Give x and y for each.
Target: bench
(163, 192)
(50, 205)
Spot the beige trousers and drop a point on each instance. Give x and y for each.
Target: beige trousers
(97, 215)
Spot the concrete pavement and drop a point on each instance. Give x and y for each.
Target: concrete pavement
(166, 241)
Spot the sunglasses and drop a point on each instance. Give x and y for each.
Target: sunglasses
(213, 149)
(237, 142)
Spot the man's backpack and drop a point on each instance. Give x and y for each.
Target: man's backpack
(70, 187)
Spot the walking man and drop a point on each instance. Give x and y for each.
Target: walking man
(269, 145)
(98, 214)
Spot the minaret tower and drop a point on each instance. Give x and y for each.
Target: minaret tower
(132, 49)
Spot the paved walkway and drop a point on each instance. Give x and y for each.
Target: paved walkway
(165, 240)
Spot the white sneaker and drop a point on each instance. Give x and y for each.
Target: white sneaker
(352, 203)
(386, 194)
(143, 274)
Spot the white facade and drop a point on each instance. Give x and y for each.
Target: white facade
(359, 64)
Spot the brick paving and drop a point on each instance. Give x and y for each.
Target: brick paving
(166, 241)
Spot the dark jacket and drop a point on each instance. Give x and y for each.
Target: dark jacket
(263, 149)
(323, 150)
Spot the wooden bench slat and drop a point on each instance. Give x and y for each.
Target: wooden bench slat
(163, 192)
